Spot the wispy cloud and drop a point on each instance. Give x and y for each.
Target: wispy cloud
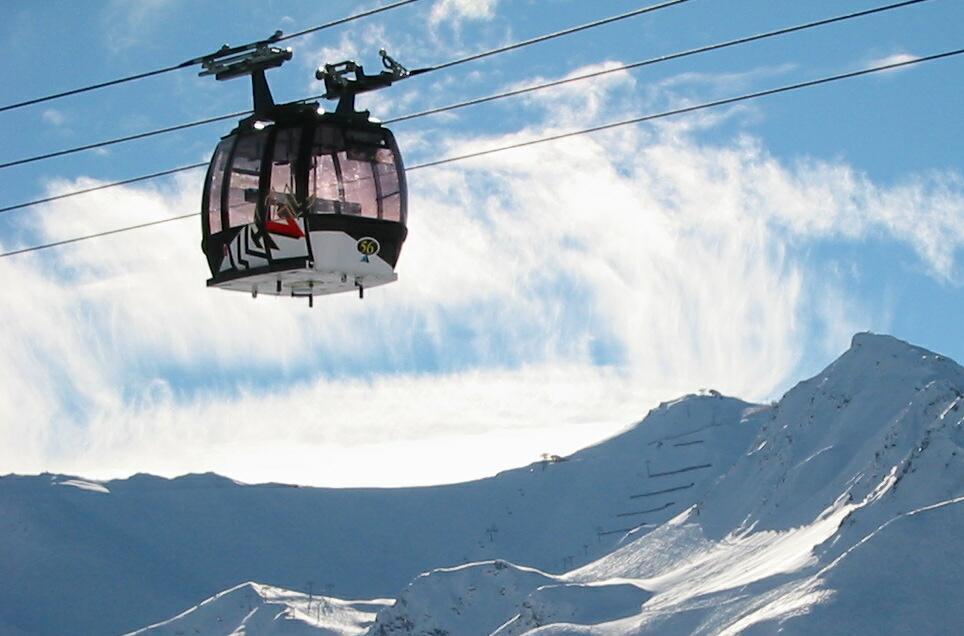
(552, 403)
(457, 11)
(127, 23)
(54, 117)
(547, 293)
(895, 58)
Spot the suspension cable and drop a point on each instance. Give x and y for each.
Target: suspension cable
(503, 95)
(99, 234)
(120, 140)
(194, 61)
(113, 184)
(357, 16)
(653, 60)
(690, 109)
(475, 56)
(557, 34)
(635, 120)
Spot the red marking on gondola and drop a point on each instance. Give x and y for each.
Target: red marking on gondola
(289, 228)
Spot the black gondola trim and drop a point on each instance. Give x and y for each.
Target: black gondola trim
(264, 189)
(220, 240)
(400, 171)
(379, 204)
(342, 201)
(226, 184)
(301, 177)
(279, 265)
(206, 198)
(389, 234)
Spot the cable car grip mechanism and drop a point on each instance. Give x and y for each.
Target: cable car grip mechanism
(252, 59)
(339, 86)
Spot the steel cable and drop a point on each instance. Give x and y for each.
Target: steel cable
(476, 56)
(193, 61)
(532, 142)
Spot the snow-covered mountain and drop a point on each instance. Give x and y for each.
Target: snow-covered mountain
(838, 510)
(154, 546)
(843, 516)
(251, 608)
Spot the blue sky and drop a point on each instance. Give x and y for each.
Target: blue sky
(548, 297)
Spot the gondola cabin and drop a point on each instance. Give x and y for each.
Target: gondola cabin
(301, 202)
(304, 208)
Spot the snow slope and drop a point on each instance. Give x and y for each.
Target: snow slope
(838, 510)
(128, 553)
(842, 516)
(471, 599)
(252, 609)
(575, 604)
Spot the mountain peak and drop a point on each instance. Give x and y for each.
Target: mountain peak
(875, 361)
(868, 344)
(883, 343)
(865, 419)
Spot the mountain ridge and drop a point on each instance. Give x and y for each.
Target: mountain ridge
(184, 539)
(704, 497)
(827, 481)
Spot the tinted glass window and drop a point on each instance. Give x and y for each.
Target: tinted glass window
(359, 184)
(215, 181)
(354, 172)
(389, 191)
(282, 196)
(323, 186)
(245, 174)
(324, 183)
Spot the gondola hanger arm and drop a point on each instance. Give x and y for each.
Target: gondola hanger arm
(251, 59)
(338, 84)
(235, 61)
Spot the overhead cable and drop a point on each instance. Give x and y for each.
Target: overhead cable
(652, 60)
(334, 23)
(120, 140)
(690, 109)
(113, 184)
(503, 95)
(557, 34)
(635, 120)
(93, 87)
(99, 234)
(195, 61)
(475, 56)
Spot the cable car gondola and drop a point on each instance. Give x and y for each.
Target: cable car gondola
(298, 201)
